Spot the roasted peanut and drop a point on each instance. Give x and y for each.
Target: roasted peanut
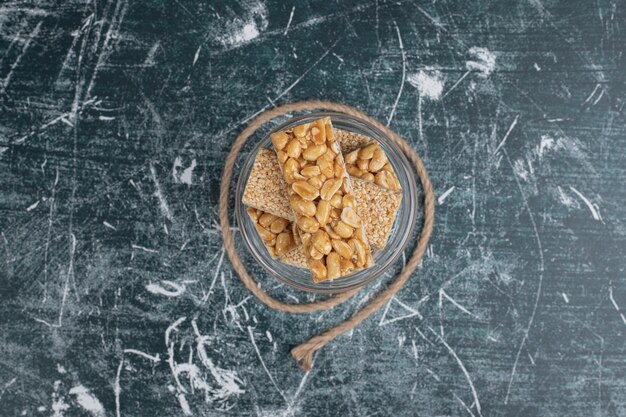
(279, 140)
(349, 201)
(311, 171)
(316, 182)
(336, 201)
(282, 156)
(302, 207)
(266, 219)
(387, 167)
(359, 234)
(306, 238)
(321, 242)
(308, 224)
(294, 148)
(354, 171)
(330, 187)
(330, 135)
(349, 217)
(331, 233)
(346, 266)
(351, 157)
(295, 234)
(368, 176)
(314, 253)
(301, 130)
(318, 270)
(369, 260)
(340, 169)
(326, 166)
(363, 164)
(367, 152)
(323, 212)
(284, 242)
(290, 170)
(344, 187)
(384, 179)
(265, 234)
(312, 153)
(333, 265)
(330, 153)
(342, 248)
(253, 213)
(343, 230)
(378, 161)
(305, 190)
(279, 225)
(359, 250)
(319, 133)
(335, 213)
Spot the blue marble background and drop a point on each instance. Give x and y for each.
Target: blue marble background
(116, 298)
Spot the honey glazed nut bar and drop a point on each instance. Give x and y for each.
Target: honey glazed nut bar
(377, 205)
(321, 197)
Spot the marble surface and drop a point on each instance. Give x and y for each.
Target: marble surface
(116, 297)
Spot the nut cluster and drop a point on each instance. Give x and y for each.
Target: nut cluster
(370, 163)
(276, 232)
(321, 197)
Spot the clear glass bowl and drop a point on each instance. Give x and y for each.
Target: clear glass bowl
(400, 234)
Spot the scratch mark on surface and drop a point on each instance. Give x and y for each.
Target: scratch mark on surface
(117, 388)
(456, 84)
(109, 225)
(293, 9)
(565, 297)
(153, 358)
(616, 306)
(395, 104)
(32, 206)
(469, 410)
(593, 208)
(228, 381)
(7, 79)
(411, 313)
(434, 20)
(143, 248)
(112, 32)
(66, 286)
(442, 294)
(592, 94)
(256, 348)
(162, 288)
(506, 135)
(196, 56)
(288, 89)
(165, 210)
(539, 285)
(215, 275)
(462, 366)
(445, 195)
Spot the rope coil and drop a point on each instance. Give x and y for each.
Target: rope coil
(304, 352)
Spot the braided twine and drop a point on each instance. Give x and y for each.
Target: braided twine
(304, 352)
